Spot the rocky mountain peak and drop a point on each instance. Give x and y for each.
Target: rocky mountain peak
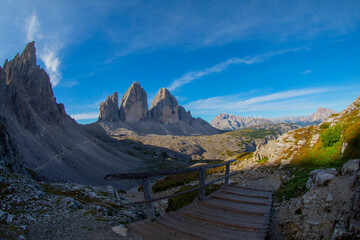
(28, 56)
(321, 114)
(134, 107)
(109, 109)
(28, 89)
(164, 107)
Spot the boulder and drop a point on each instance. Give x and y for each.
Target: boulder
(320, 177)
(351, 166)
(134, 107)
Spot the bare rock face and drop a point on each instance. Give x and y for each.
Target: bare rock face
(164, 107)
(134, 107)
(109, 109)
(185, 116)
(28, 90)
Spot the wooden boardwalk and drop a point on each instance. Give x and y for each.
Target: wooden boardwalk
(234, 212)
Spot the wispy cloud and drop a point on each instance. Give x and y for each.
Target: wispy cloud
(82, 116)
(306, 72)
(233, 103)
(69, 84)
(191, 76)
(52, 62)
(47, 54)
(32, 27)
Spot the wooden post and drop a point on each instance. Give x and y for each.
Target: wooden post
(150, 212)
(227, 172)
(202, 183)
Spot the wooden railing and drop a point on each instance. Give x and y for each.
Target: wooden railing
(146, 183)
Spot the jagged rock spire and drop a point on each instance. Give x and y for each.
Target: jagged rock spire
(109, 109)
(164, 107)
(134, 107)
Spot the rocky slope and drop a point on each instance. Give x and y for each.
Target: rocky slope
(226, 121)
(301, 143)
(223, 146)
(165, 116)
(42, 137)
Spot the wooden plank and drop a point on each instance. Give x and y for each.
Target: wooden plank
(202, 174)
(147, 231)
(224, 221)
(175, 232)
(258, 220)
(248, 191)
(241, 199)
(237, 207)
(208, 231)
(150, 211)
(141, 175)
(244, 194)
(252, 188)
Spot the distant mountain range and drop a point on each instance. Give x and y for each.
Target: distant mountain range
(165, 117)
(229, 122)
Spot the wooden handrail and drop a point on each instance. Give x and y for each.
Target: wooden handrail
(145, 176)
(141, 175)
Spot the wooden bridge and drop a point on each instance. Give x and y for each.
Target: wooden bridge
(233, 212)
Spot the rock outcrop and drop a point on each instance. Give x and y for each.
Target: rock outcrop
(226, 121)
(109, 110)
(134, 107)
(165, 116)
(164, 107)
(184, 115)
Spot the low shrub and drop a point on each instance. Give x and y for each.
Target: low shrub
(331, 136)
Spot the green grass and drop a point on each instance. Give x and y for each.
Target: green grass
(263, 160)
(296, 186)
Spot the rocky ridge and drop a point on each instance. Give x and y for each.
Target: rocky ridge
(165, 117)
(42, 137)
(226, 121)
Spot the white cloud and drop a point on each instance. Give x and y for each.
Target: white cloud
(306, 72)
(82, 116)
(233, 103)
(48, 55)
(32, 27)
(69, 84)
(52, 62)
(191, 76)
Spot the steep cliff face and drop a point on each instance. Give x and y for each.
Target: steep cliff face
(36, 129)
(109, 110)
(165, 116)
(164, 107)
(134, 107)
(28, 92)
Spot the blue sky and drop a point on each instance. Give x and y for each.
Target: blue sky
(249, 58)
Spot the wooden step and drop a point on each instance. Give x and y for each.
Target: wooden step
(255, 220)
(249, 192)
(147, 230)
(207, 231)
(236, 207)
(223, 221)
(252, 188)
(241, 199)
